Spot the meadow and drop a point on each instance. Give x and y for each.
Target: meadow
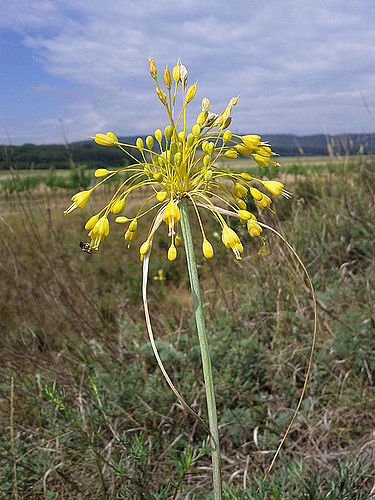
(85, 411)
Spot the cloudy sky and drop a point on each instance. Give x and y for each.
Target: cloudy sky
(299, 66)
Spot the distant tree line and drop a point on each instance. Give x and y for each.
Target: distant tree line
(58, 156)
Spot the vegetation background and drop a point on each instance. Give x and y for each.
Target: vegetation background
(85, 412)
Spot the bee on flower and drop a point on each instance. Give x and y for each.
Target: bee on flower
(181, 164)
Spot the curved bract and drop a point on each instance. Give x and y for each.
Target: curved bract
(181, 164)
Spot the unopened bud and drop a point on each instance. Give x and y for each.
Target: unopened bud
(227, 136)
(177, 159)
(158, 135)
(196, 130)
(202, 117)
(206, 160)
(152, 66)
(176, 73)
(205, 104)
(183, 74)
(208, 175)
(162, 95)
(172, 253)
(190, 94)
(158, 176)
(208, 251)
(101, 172)
(167, 78)
(149, 142)
(161, 196)
(140, 144)
(168, 131)
(190, 140)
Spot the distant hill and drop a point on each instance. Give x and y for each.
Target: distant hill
(88, 153)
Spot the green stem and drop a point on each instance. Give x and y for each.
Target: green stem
(205, 353)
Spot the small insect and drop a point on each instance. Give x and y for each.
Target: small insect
(85, 247)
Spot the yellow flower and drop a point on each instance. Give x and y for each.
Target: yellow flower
(182, 165)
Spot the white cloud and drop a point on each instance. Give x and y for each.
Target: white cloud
(298, 65)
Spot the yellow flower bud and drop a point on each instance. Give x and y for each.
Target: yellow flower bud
(196, 130)
(231, 153)
(181, 136)
(210, 148)
(172, 253)
(264, 202)
(264, 151)
(149, 142)
(190, 139)
(133, 226)
(158, 135)
(140, 144)
(176, 73)
(178, 241)
(205, 104)
(82, 198)
(152, 67)
(239, 190)
(206, 160)
(231, 240)
(161, 196)
(101, 172)
(207, 249)
(256, 194)
(145, 247)
(167, 78)
(227, 136)
(190, 94)
(122, 220)
(168, 131)
(162, 95)
(104, 140)
(241, 204)
(208, 175)
(158, 176)
(118, 206)
(244, 150)
(263, 161)
(274, 187)
(245, 176)
(253, 228)
(244, 215)
(251, 140)
(91, 222)
(202, 117)
(177, 159)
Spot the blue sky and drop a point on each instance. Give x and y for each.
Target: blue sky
(299, 67)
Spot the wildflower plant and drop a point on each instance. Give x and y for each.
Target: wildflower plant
(175, 169)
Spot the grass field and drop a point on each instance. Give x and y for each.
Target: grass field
(85, 412)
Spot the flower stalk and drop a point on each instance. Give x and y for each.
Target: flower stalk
(205, 353)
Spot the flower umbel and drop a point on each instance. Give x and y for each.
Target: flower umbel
(182, 164)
